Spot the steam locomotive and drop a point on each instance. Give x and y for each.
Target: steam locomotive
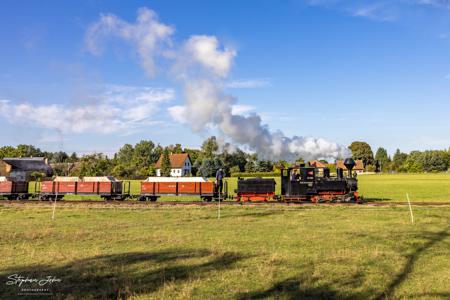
(302, 183)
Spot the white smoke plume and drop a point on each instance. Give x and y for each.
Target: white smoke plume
(201, 64)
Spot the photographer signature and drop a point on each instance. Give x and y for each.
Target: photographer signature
(17, 279)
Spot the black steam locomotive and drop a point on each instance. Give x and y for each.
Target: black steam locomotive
(302, 183)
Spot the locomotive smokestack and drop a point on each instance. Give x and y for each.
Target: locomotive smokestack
(349, 163)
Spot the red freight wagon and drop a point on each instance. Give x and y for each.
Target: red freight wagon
(107, 187)
(58, 187)
(12, 189)
(154, 187)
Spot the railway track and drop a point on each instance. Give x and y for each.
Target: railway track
(200, 203)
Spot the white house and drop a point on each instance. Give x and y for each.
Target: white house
(180, 165)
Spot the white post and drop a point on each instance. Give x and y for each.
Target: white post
(410, 209)
(54, 205)
(218, 207)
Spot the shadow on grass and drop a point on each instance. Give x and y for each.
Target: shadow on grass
(368, 199)
(302, 287)
(120, 275)
(253, 213)
(432, 239)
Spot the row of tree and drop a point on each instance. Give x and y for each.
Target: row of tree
(414, 162)
(139, 161)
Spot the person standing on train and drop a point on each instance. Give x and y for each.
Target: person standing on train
(219, 180)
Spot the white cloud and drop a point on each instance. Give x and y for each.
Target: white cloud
(435, 3)
(178, 113)
(247, 83)
(374, 10)
(117, 109)
(205, 50)
(148, 36)
(369, 11)
(241, 109)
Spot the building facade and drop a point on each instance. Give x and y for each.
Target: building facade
(20, 168)
(180, 165)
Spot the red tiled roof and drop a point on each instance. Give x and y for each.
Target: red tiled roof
(317, 164)
(176, 160)
(358, 165)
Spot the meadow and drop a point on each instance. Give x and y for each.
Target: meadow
(250, 253)
(393, 187)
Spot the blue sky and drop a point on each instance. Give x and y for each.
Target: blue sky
(377, 71)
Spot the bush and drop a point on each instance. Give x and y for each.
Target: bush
(370, 168)
(235, 169)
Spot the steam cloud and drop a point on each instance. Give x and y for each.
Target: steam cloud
(201, 64)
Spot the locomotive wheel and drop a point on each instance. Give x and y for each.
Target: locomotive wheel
(207, 199)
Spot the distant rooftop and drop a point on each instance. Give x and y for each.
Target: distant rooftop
(38, 164)
(176, 160)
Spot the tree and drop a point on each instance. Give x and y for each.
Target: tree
(165, 163)
(235, 169)
(28, 151)
(235, 158)
(145, 154)
(382, 158)
(8, 151)
(125, 154)
(73, 157)
(250, 166)
(209, 167)
(413, 163)
(434, 161)
(210, 147)
(59, 157)
(36, 176)
(264, 166)
(176, 149)
(94, 165)
(399, 159)
(362, 151)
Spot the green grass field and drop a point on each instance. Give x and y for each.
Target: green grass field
(383, 187)
(393, 187)
(251, 252)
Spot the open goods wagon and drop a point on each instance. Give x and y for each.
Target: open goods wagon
(154, 187)
(12, 189)
(106, 187)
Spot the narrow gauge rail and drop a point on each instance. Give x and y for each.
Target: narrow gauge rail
(200, 203)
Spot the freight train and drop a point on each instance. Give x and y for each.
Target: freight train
(298, 184)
